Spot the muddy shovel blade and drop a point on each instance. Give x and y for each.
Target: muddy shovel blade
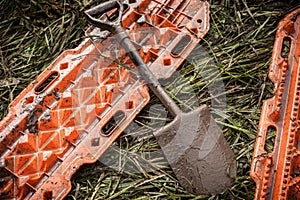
(198, 152)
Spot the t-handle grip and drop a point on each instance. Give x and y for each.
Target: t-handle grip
(104, 8)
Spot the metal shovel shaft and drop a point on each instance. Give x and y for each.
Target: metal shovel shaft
(147, 75)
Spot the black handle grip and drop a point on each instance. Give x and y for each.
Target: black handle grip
(103, 8)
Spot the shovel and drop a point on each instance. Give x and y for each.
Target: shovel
(192, 143)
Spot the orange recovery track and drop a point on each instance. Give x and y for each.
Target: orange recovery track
(277, 173)
(82, 102)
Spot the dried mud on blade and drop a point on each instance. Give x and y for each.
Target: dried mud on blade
(276, 171)
(198, 152)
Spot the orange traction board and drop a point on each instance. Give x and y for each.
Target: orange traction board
(277, 173)
(77, 107)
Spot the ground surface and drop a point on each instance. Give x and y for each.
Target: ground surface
(240, 44)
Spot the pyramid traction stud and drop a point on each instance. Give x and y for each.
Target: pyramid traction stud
(83, 101)
(277, 173)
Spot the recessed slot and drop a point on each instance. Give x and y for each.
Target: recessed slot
(270, 139)
(295, 173)
(167, 61)
(286, 47)
(47, 82)
(95, 142)
(199, 21)
(132, 1)
(47, 195)
(129, 105)
(180, 46)
(29, 100)
(125, 7)
(63, 66)
(115, 14)
(113, 123)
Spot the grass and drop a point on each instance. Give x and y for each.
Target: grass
(239, 44)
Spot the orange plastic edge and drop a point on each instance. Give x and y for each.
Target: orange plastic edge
(276, 173)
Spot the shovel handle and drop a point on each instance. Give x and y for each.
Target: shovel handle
(124, 40)
(149, 78)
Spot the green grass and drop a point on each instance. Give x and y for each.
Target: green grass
(239, 44)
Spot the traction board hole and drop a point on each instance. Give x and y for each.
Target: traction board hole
(178, 49)
(47, 195)
(199, 21)
(270, 139)
(29, 100)
(125, 7)
(63, 66)
(295, 173)
(113, 123)
(132, 1)
(286, 46)
(129, 105)
(167, 61)
(46, 83)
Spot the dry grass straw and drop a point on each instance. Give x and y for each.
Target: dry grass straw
(239, 44)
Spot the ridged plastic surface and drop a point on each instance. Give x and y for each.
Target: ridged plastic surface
(81, 103)
(277, 173)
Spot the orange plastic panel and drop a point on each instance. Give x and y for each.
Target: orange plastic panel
(277, 173)
(63, 119)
